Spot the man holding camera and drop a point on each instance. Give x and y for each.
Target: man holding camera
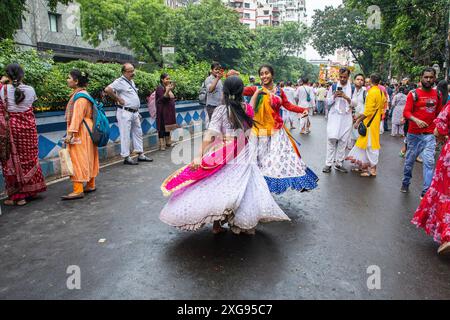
(125, 93)
(340, 121)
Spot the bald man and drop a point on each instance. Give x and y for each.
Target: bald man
(125, 93)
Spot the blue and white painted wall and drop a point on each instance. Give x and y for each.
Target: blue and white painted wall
(52, 130)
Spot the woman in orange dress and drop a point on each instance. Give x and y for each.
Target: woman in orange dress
(83, 152)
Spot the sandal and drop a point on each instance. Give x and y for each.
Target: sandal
(73, 196)
(90, 190)
(21, 203)
(9, 203)
(365, 174)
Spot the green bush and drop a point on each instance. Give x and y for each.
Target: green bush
(50, 79)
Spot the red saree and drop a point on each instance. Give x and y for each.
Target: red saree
(21, 172)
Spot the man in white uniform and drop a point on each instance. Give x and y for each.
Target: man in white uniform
(340, 121)
(125, 93)
(305, 98)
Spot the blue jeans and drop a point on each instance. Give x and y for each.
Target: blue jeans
(420, 144)
(320, 106)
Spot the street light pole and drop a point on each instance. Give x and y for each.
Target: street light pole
(390, 58)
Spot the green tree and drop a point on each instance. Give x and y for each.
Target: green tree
(417, 30)
(209, 31)
(140, 25)
(12, 12)
(343, 27)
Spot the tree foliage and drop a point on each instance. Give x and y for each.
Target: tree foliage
(416, 29)
(141, 25)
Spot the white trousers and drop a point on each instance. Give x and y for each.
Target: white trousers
(336, 152)
(130, 128)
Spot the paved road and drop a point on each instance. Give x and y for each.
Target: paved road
(336, 233)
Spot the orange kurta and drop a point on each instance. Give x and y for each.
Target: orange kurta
(85, 155)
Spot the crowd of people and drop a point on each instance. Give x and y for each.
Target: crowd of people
(248, 151)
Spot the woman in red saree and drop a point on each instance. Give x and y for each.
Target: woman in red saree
(433, 214)
(21, 170)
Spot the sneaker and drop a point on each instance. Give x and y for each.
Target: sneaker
(404, 189)
(129, 161)
(340, 169)
(327, 169)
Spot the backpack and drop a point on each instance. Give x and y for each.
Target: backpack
(202, 94)
(308, 96)
(416, 96)
(151, 104)
(101, 131)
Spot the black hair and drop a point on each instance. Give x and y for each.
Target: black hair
(269, 67)
(403, 89)
(215, 65)
(162, 77)
(81, 77)
(375, 78)
(359, 75)
(16, 74)
(443, 89)
(344, 70)
(289, 83)
(305, 80)
(233, 87)
(429, 69)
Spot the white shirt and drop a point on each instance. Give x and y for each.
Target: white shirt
(290, 94)
(30, 98)
(340, 104)
(302, 97)
(127, 91)
(358, 101)
(340, 119)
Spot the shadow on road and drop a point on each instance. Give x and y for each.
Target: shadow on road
(236, 266)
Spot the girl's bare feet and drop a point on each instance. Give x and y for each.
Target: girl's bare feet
(217, 228)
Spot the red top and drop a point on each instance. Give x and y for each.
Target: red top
(427, 108)
(278, 101)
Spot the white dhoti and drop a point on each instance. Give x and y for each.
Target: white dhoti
(130, 129)
(338, 132)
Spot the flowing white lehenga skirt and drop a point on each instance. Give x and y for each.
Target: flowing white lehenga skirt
(237, 194)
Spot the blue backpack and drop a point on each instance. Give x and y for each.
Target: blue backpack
(100, 134)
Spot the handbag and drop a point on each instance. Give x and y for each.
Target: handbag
(5, 138)
(362, 129)
(66, 163)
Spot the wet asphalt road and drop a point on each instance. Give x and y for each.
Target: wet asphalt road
(337, 232)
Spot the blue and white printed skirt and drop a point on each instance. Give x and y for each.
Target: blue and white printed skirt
(282, 168)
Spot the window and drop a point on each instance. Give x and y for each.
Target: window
(247, 15)
(54, 21)
(247, 5)
(265, 22)
(266, 12)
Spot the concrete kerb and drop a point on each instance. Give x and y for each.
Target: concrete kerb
(109, 154)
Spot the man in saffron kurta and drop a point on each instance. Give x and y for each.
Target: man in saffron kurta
(84, 155)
